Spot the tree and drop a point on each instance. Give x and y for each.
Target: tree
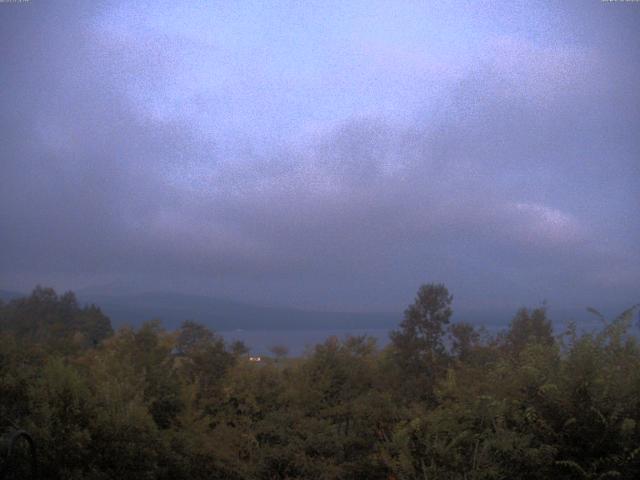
(94, 324)
(527, 328)
(238, 348)
(204, 358)
(464, 338)
(56, 321)
(418, 345)
(279, 351)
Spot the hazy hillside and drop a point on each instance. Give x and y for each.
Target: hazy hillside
(222, 314)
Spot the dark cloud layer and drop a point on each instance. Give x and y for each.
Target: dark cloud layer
(517, 182)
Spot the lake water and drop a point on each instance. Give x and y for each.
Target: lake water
(297, 341)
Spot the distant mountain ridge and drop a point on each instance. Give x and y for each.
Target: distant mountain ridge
(227, 315)
(222, 314)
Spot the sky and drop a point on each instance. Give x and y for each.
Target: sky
(325, 155)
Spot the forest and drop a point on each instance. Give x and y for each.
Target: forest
(443, 400)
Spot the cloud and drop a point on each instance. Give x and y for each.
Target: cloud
(119, 160)
(542, 224)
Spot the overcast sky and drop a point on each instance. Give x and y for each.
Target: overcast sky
(329, 155)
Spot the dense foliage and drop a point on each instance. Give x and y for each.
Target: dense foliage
(441, 401)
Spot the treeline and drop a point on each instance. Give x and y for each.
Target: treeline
(442, 401)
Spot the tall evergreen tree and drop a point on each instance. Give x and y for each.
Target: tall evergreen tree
(419, 347)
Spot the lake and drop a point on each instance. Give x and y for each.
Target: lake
(297, 341)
